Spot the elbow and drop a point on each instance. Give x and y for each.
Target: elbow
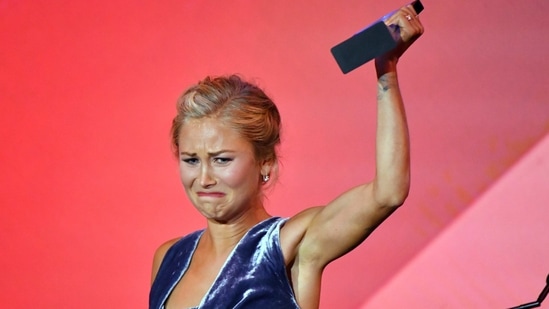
(392, 196)
(398, 198)
(393, 200)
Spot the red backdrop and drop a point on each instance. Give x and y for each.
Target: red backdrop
(88, 187)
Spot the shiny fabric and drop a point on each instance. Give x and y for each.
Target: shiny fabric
(254, 275)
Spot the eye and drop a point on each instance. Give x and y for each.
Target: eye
(222, 160)
(190, 161)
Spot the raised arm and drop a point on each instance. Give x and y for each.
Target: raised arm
(337, 228)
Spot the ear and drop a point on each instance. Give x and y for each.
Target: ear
(268, 167)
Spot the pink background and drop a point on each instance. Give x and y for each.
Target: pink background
(88, 187)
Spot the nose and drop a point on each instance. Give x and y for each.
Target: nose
(206, 178)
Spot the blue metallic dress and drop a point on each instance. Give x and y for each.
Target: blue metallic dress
(253, 276)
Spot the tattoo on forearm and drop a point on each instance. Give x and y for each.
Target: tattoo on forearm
(384, 84)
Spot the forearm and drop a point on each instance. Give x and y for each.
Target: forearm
(392, 180)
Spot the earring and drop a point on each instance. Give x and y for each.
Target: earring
(266, 178)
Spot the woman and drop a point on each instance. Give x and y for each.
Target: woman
(225, 135)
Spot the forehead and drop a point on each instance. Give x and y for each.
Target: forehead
(211, 135)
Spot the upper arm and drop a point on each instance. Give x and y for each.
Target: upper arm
(159, 256)
(318, 235)
(342, 225)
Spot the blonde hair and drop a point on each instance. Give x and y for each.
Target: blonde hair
(237, 103)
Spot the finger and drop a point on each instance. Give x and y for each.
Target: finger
(399, 17)
(410, 9)
(409, 13)
(411, 22)
(406, 24)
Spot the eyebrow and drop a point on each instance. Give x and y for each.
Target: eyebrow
(211, 154)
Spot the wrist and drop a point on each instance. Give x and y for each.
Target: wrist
(384, 66)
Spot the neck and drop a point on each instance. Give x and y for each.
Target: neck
(222, 237)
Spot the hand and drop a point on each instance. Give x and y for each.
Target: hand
(407, 28)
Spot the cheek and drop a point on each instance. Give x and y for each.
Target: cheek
(186, 175)
(239, 177)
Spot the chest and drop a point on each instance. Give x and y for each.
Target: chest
(254, 274)
(196, 281)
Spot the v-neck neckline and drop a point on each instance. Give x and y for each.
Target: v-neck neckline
(221, 270)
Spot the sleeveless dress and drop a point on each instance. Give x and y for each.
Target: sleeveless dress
(253, 276)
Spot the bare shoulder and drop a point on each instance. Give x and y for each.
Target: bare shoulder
(293, 231)
(159, 255)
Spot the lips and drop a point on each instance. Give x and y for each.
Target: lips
(210, 194)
